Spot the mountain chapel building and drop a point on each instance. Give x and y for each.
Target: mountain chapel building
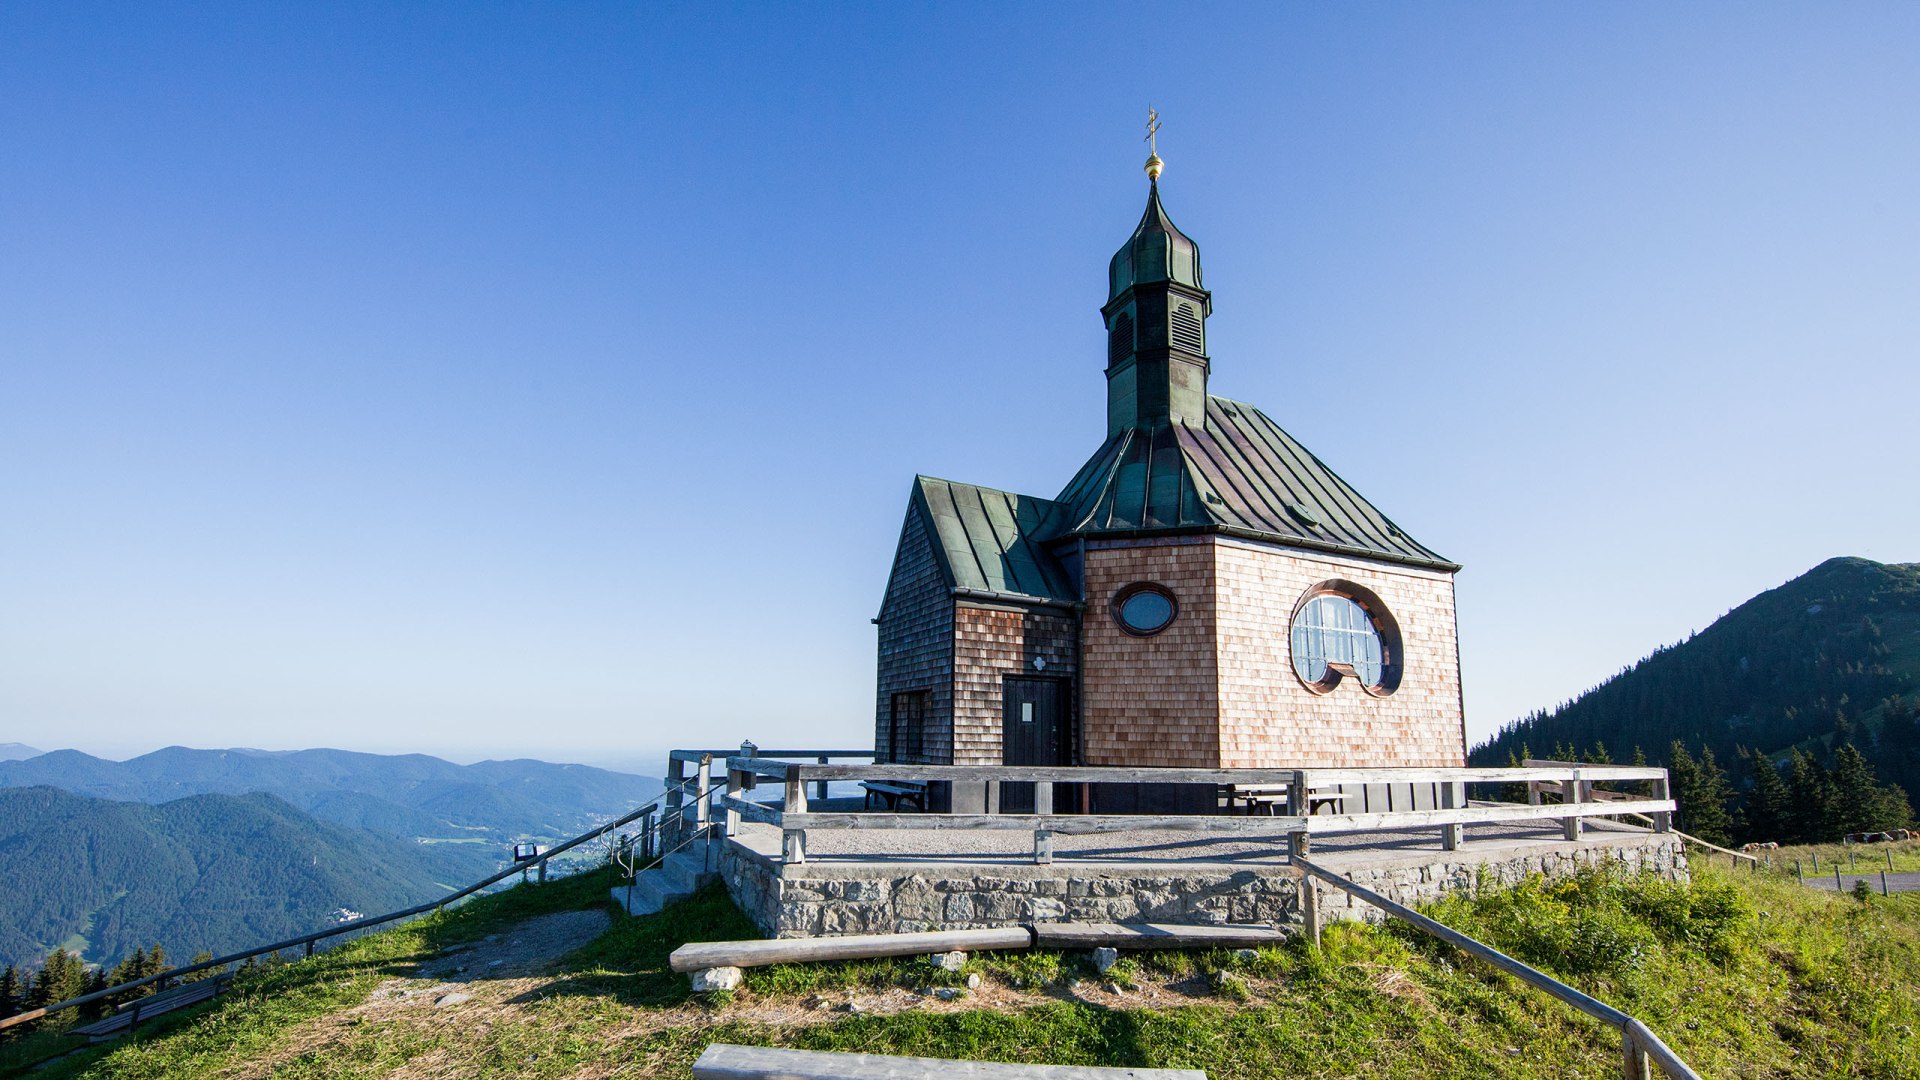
(1203, 593)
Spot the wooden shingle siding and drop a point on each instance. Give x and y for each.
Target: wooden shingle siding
(1268, 719)
(916, 644)
(1151, 701)
(1216, 689)
(990, 643)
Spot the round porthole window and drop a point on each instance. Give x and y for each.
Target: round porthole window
(1341, 630)
(1144, 609)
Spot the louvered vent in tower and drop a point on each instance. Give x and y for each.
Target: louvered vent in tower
(1120, 340)
(1186, 328)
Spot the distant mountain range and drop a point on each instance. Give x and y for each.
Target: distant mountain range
(219, 872)
(408, 796)
(13, 751)
(224, 849)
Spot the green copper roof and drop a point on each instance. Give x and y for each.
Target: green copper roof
(1237, 473)
(1155, 252)
(985, 540)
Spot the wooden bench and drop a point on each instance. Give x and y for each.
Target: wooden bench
(895, 790)
(1270, 798)
(146, 1008)
(725, 1061)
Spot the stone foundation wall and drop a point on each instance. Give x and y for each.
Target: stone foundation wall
(819, 899)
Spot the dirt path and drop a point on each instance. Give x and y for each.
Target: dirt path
(499, 972)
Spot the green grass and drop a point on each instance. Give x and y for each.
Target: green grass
(1743, 975)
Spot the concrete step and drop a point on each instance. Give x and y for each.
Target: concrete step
(643, 898)
(679, 877)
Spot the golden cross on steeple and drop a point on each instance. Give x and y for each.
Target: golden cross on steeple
(1154, 164)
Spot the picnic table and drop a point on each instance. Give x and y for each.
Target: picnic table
(1270, 799)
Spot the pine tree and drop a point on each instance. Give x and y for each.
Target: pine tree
(1900, 743)
(10, 992)
(200, 957)
(1859, 803)
(1769, 808)
(1515, 792)
(1702, 792)
(1810, 797)
(62, 977)
(96, 981)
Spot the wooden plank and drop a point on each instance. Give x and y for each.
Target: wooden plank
(724, 1061)
(1130, 775)
(701, 955)
(748, 810)
(1478, 815)
(760, 766)
(1074, 774)
(1152, 936)
(1065, 824)
(1331, 777)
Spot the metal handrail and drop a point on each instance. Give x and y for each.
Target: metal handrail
(634, 870)
(1640, 1041)
(344, 928)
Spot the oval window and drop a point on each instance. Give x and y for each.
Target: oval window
(1334, 635)
(1144, 609)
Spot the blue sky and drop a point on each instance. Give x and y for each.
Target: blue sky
(548, 379)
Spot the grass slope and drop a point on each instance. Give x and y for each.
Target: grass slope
(1743, 975)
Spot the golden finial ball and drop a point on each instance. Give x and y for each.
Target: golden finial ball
(1154, 165)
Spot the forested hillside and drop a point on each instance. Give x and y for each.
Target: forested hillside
(216, 872)
(410, 795)
(1813, 681)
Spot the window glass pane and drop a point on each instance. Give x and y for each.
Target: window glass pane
(1336, 630)
(1146, 611)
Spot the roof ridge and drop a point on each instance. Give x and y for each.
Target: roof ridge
(919, 478)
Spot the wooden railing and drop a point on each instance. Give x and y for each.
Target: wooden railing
(1640, 1046)
(794, 817)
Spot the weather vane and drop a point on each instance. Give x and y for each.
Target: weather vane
(1154, 164)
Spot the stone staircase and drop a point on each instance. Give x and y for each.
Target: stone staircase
(682, 874)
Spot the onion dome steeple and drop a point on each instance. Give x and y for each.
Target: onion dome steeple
(1155, 315)
(1156, 252)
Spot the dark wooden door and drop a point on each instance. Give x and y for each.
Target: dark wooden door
(1033, 732)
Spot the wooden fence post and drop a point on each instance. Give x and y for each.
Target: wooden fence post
(673, 811)
(820, 786)
(1453, 796)
(1298, 800)
(1570, 794)
(703, 779)
(793, 842)
(736, 783)
(1297, 846)
(1638, 1066)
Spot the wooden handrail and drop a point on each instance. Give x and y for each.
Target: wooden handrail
(344, 928)
(1640, 1039)
(765, 763)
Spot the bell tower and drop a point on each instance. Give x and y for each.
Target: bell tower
(1156, 319)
